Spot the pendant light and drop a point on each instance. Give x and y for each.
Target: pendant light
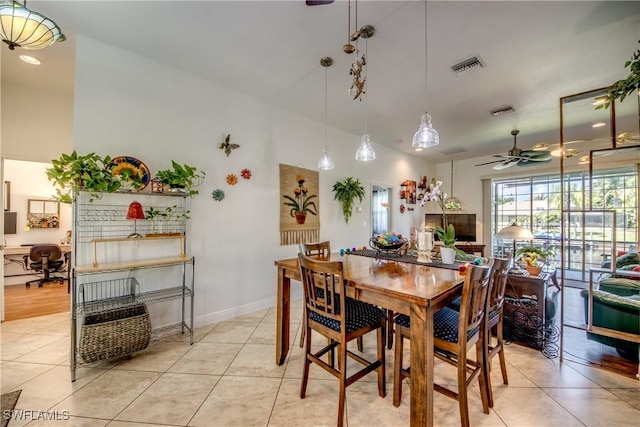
(365, 152)
(21, 27)
(325, 163)
(426, 136)
(452, 203)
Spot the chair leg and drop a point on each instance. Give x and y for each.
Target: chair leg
(342, 362)
(382, 383)
(486, 354)
(304, 328)
(397, 367)
(503, 362)
(306, 364)
(390, 315)
(483, 383)
(463, 402)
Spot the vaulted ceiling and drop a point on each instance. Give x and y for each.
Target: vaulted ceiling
(533, 53)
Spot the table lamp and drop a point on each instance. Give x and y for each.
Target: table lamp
(135, 213)
(514, 232)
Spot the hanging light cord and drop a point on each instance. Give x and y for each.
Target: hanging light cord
(425, 56)
(349, 24)
(325, 108)
(451, 178)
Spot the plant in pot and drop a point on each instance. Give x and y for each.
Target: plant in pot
(534, 257)
(346, 192)
(302, 202)
(72, 173)
(181, 178)
(448, 250)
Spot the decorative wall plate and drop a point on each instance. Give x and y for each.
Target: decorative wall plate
(125, 164)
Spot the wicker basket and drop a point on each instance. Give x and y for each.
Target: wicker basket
(113, 333)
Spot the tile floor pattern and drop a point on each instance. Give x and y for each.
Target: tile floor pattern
(229, 378)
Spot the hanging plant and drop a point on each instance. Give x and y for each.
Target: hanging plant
(346, 192)
(620, 89)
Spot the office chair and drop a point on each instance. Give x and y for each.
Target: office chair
(45, 258)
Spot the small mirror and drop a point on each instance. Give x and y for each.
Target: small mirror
(43, 213)
(380, 209)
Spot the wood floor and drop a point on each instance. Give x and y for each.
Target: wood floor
(21, 302)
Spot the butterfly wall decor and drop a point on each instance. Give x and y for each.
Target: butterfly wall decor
(227, 146)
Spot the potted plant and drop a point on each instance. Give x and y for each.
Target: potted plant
(166, 216)
(346, 192)
(302, 202)
(73, 172)
(181, 178)
(535, 257)
(448, 239)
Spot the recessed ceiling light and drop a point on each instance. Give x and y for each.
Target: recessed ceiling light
(540, 146)
(599, 100)
(30, 59)
(418, 149)
(557, 152)
(583, 160)
(598, 125)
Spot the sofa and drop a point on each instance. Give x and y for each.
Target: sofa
(616, 305)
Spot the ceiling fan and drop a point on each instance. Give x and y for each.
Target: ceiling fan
(519, 157)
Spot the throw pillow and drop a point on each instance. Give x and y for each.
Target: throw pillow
(629, 258)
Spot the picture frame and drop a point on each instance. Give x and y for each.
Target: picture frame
(6, 194)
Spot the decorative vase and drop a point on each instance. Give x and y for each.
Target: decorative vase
(301, 217)
(448, 255)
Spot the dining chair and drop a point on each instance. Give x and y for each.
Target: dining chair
(320, 250)
(329, 312)
(455, 332)
(494, 317)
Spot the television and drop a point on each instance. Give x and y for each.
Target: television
(10, 220)
(465, 225)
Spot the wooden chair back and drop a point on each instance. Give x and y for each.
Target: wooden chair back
(319, 249)
(324, 287)
(499, 271)
(474, 299)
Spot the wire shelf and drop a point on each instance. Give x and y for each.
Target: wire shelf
(160, 295)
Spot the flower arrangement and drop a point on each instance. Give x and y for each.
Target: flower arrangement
(301, 203)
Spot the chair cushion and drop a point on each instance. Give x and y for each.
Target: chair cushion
(359, 315)
(455, 304)
(628, 258)
(445, 324)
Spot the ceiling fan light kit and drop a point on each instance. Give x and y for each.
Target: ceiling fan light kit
(426, 135)
(24, 28)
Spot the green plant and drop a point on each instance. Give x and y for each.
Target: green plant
(346, 192)
(182, 176)
(167, 215)
(448, 236)
(73, 172)
(532, 255)
(620, 89)
(302, 202)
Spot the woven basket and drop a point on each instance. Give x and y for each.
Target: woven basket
(113, 333)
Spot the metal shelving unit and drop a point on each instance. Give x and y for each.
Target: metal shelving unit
(97, 285)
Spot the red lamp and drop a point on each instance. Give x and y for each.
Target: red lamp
(135, 213)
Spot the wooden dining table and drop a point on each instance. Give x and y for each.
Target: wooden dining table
(411, 289)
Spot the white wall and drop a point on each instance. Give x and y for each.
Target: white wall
(129, 105)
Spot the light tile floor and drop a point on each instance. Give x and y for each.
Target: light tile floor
(229, 378)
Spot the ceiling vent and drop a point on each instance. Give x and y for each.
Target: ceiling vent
(452, 150)
(502, 110)
(468, 64)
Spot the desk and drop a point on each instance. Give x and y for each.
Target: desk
(414, 290)
(24, 250)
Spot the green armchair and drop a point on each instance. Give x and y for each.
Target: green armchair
(616, 305)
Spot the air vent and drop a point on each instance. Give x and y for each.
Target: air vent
(468, 64)
(452, 150)
(502, 110)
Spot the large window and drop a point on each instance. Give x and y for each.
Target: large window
(534, 202)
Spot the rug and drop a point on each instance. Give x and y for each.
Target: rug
(9, 401)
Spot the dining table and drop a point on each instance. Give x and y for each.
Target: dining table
(417, 290)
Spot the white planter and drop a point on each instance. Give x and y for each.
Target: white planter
(448, 255)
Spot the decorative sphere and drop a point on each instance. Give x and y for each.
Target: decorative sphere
(477, 261)
(348, 48)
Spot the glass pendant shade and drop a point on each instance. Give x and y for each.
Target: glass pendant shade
(325, 163)
(365, 152)
(21, 27)
(426, 136)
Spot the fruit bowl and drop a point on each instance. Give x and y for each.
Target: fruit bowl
(395, 248)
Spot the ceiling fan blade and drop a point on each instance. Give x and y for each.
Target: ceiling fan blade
(536, 156)
(533, 162)
(505, 164)
(489, 163)
(318, 2)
